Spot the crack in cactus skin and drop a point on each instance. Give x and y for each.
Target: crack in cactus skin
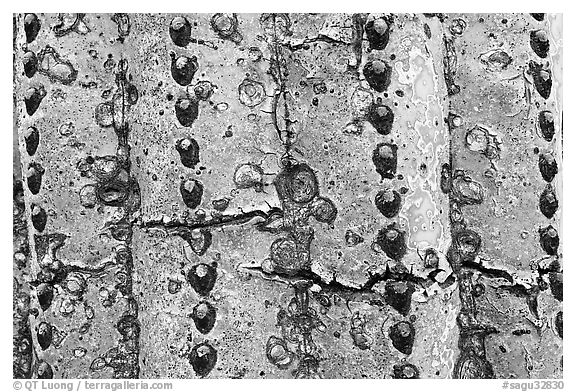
(300, 320)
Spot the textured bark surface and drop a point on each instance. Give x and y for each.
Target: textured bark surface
(287, 195)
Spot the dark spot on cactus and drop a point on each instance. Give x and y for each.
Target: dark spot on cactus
(44, 335)
(39, 217)
(183, 68)
(33, 97)
(189, 151)
(186, 110)
(402, 335)
(398, 294)
(559, 323)
(392, 241)
(548, 202)
(31, 27)
(204, 316)
(378, 32)
(202, 278)
(378, 74)
(32, 140)
(44, 370)
(45, 294)
(548, 166)
(203, 358)
(405, 371)
(192, 191)
(542, 78)
(388, 202)
(385, 159)
(381, 117)
(557, 285)
(30, 63)
(546, 124)
(539, 43)
(180, 31)
(34, 176)
(549, 240)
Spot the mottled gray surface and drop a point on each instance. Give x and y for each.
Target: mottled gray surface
(228, 196)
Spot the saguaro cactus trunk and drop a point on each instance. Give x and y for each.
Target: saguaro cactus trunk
(287, 195)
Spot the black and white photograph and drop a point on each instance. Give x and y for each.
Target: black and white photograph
(330, 195)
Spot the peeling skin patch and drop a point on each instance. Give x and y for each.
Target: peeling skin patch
(288, 195)
(420, 75)
(424, 226)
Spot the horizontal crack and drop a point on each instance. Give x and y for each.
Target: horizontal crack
(489, 272)
(337, 287)
(318, 38)
(219, 221)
